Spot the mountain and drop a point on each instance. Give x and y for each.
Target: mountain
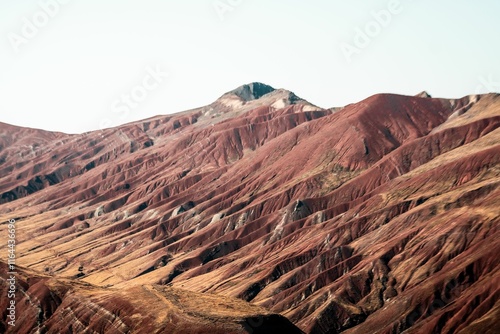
(377, 217)
(66, 305)
(251, 91)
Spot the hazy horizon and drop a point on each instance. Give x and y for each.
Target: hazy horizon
(75, 66)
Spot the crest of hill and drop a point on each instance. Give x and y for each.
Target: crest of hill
(251, 91)
(256, 94)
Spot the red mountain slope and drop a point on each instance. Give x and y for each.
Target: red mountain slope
(379, 217)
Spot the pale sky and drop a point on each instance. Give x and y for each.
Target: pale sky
(78, 65)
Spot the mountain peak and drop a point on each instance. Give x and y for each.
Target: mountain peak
(423, 94)
(252, 91)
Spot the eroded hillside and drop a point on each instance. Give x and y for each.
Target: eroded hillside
(379, 217)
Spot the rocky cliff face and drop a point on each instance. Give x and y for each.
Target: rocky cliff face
(379, 217)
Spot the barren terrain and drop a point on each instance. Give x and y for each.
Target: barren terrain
(378, 217)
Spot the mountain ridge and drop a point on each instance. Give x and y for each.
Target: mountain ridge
(361, 218)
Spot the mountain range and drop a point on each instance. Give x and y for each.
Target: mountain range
(260, 213)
